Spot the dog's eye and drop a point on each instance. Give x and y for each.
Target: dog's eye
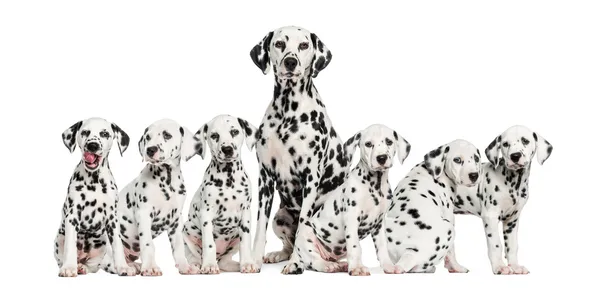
(505, 144)
(303, 46)
(279, 44)
(368, 144)
(104, 134)
(388, 142)
(476, 159)
(525, 141)
(235, 132)
(214, 136)
(457, 160)
(167, 135)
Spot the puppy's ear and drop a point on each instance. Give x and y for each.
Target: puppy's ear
(121, 137)
(543, 148)
(322, 55)
(141, 144)
(492, 152)
(69, 137)
(260, 53)
(249, 131)
(200, 139)
(402, 147)
(351, 144)
(435, 160)
(189, 144)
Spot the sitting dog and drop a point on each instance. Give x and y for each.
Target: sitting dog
(152, 202)
(503, 193)
(356, 209)
(219, 219)
(89, 214)
(420, 218)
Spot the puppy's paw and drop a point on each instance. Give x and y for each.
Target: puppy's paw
(502, 270)
(276, 257)
(82, 269)
(127, 270)
(68, 271)
(518, 269)
(335, 267)
(359, 271)
(186, 269)
(292, 269)
(151, 271)
(392, 269)
(249, 268)
(210, 269)
(136, 266)
(454, 268)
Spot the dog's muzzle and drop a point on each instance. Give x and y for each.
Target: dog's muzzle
(92, 155)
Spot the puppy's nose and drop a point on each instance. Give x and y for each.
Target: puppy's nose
(515, 157)
(150, 151)
(381, 159)
(227, 150)
(92, 147)
(290, 63)
(473, 176)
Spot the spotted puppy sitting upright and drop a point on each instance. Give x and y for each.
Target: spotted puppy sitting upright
(219, 219)
(89, 214)
(356, 209)
(420, 218)
(151, 204)
(504, 192)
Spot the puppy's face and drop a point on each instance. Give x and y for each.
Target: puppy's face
(518, 145)
(459, 160)
(166, 142)
(293, 52)
(94, 137)
(378, 146)
(224, 136)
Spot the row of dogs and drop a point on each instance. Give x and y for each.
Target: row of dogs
(326, 206)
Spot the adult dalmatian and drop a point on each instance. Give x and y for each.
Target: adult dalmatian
(297, 148)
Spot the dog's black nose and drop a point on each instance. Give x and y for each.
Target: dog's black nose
(290, 63)
(92, 147)
(515, 157)
(381, 159)
(150, 151)
(473, 176)
(227, 150)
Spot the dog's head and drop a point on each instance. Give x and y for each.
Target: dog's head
(94, 137)
(293, 52)
(518, 144)
(225, 135)
(166, 142)
(378, 146)
(459, 160)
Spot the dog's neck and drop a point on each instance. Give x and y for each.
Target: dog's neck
(92, 177)
(377, 177)
(288, 91)
(517, 179)
(225, 167)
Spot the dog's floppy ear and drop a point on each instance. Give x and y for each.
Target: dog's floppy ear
(69, 137)
(351, 144)
(189, 144)
(435, 159)
(249, 131)
(200, 139)
(121, 137)
(402, 147)
(543, 148)
(322, 55)
(492, 152)
(260, 53)
(141, 143)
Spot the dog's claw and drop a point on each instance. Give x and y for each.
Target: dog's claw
(359, 271)
(68, 272)
(152, 271)
(249, 268)
(518, 269)
(210, 269)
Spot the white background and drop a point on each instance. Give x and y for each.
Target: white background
(433, 70)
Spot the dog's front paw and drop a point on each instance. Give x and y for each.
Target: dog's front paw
(210, 269)
(186, 269)
(518, 269)
(335, 267)
(292, 269)
(359, 271)
(249, 268)
(151, 271)
(82, 269)
(68, 271)
(126, 270)
(276, 257)
(392, 269)
(502, 270)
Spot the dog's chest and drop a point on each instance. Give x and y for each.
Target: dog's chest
(92, 195)
(160, 187)
(504, 190)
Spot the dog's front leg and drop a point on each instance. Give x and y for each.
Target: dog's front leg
(381, 248)
(178, 248)
(266, 189)
(247, 263)
(69, 265)
(209, 249)
(510, 230)
(118, 252)
(354, 251)
(491, 222)
(143, 217)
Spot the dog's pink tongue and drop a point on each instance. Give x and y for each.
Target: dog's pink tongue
(89, 157)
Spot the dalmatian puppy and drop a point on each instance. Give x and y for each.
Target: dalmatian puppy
(218, 224)
(297, 148)
(420, 219)
(501, 196)
(151, 204)
(356, 208)
(89, 214)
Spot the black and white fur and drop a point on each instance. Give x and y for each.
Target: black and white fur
(503, 192)
(355, 209)
(89, 214)
(151, 204)
(219, 219)
(420, 219)
(297, 148)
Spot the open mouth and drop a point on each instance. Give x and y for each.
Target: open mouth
(91, 160)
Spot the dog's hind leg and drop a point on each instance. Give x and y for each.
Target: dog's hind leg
(285, 228)
(227, 264)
